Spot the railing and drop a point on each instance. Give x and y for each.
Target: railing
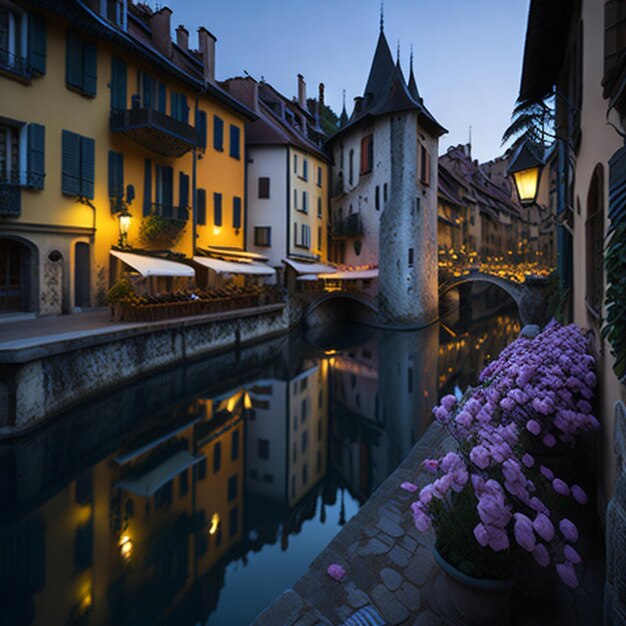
(171, 211)
(14, 63)
(351, 226)
(10, 196)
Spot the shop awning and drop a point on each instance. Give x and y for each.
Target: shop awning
(309, 268)
(343, 275)
(233, 254)
(232, 267)
(154, 266)
(151, 482)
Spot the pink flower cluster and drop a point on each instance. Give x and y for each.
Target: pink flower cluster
(542, 387)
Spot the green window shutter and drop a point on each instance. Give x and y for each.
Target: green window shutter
(74, 61)
(217, 209)
(36, 156)
(201, 129)
(201, 207)
(70, 163)
(37, 43)
(87, 167)
(218, 133)
(116, 179)
(234, 141)
(147, 188)
(168, 195)
(90, 77)
(183, 193)
(236, 212)
(162, 98)
(118, 84)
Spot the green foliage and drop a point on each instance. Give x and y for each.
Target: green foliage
(329, 121)
(121, 291)
(532, 121)
(156, 227)
(615, 326)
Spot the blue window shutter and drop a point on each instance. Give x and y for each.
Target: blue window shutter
(36, 155)
(37, 43)
(70, 163)
(234, 141)
(218, 133)
(74, 61)
(87, 166)
(201, 129)
(236, 212)
(217, 209)
(148, 91)
(118, 84)
(90, 79)
(147, 188)
(184, 109)
(174, 105)
(162, 104)
(201, 208)
(183, 192)
(168, 196)
(116, 178)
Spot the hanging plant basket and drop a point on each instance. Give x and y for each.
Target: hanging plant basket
(160, 231)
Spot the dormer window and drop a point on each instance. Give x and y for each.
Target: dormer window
(114, 11)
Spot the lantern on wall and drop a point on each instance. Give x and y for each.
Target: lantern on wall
(525, 168)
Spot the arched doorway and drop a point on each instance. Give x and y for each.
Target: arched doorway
(17, 277)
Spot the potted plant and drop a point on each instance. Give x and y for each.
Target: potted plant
(491, 496)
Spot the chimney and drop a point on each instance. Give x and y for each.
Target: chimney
(206, 43)
(182, 38)
(358, 103)
(320, 97)
(301, 91)
(161, 33)
(245, 90)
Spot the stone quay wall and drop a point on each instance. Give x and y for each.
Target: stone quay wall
(40, 380)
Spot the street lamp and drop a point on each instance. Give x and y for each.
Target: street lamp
(124, 224)
(525, 168)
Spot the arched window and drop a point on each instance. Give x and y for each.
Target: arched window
(351, 167)
(594, 237)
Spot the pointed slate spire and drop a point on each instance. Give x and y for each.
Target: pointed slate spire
(382, 68)
(343, 118)
(412, 84)
(382, 17)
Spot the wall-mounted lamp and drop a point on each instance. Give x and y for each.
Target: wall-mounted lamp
(525, 168)
(124, 224)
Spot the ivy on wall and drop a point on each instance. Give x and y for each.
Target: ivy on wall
(157, 228)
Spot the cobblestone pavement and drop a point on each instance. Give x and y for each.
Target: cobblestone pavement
(389, 565)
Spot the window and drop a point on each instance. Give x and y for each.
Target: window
(14, 141)
(77, 165)
(116, 180)
(305, 474)
(235, 141)
(295, 163)
(81, 71)
(217, 209)
(305, 236)
(410, 379)
(305, 169)
(264, 448)
(319, 237)
(118, 84)
(351, 167)
(236, 212)
(234, 446)
(262, 236)
(305, 441)
(319, 176)
(264, 187)
(424, 165)
(201, 129)
(164, 190)
(305, 202)
(201, 207)
(410, 259)
(295, 199)
(201, 469)
(83, 546)
(385, 192)
(183, 193)
(319, 206)
(22, 42)
(367, 153)
(594, 235)
(116, 12)
(179, 107)
(232, 488)
(217, 457)
(218, 133)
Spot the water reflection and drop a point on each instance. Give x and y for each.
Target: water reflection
(201, 493)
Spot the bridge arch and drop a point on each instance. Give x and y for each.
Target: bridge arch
(336, 305)
(512, 288)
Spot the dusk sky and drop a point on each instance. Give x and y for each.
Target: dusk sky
(468, 53)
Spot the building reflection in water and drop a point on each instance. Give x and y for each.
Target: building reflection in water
(146, 534)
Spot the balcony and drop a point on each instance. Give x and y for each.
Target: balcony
(173, 212)
(14, 65)
(351, 226)
(10, 196)
(154, 130)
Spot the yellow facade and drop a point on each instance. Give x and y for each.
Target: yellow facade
(53, 222)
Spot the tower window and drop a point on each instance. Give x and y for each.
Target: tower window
(411, 254)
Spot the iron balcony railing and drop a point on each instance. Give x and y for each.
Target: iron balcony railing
(155, 130)
(14, 63)
(351, 226)
(171, 211)
(10, 195)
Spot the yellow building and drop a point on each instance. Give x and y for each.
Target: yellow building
(107, 129)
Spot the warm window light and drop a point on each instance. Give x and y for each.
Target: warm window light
(217, 230)
(215, 522)
(247, 401)
(126, 547)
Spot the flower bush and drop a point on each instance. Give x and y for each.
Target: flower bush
(493, 493)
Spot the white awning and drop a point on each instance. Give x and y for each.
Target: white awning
(154, 266)
(151, 482)
(234, 254)
(355, 275)
(309, 268)
(230, 267)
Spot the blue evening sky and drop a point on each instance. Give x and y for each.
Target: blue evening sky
(468, 53)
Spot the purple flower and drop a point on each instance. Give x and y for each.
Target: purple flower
(560, 487)
(498, 539)
(448, 402)
(541, 555)
(537, 505)
(480, 457)
(336, 572)
(528, 460)
(546, 472)
(442, 485)
(441, 415)
(480, 532)
(450, 462)
(579, 495)
(407, 486)
(507, 404)
(549, 440)
(570, 532)
(422, 522)
(523, 530)
(431, 465)
(543, 527)
(590, 379)
(567, 574)
(533, 426)
(571, 555)
(463, 418)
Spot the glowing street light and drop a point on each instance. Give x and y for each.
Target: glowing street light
(525, 168)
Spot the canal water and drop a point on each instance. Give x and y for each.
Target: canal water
(197, 495)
